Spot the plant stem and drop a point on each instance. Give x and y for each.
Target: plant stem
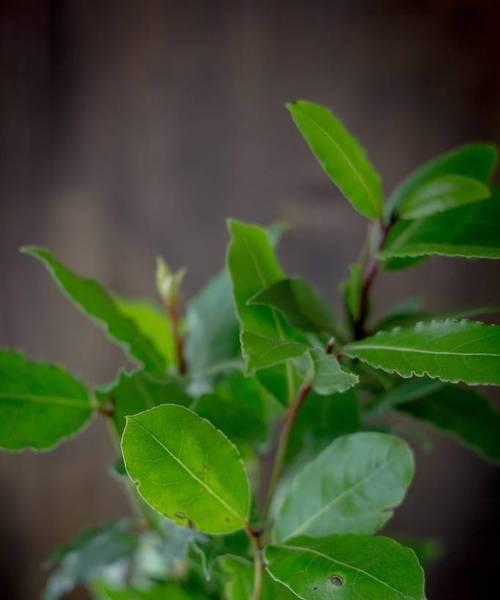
(370, 275)
(284, 437)
(173, 313)
(259, 566)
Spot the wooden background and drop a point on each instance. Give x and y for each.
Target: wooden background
(131, 129)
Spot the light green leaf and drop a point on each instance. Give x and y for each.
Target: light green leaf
(299, 303)
(352, 487)
(442, 194)
(153, 322)
(477, 161)
(468, 232)
(41, 405)
(328, 378)
(87, 557)
(158, 591)
(135, 392)
(186, 469)
(321, 420)
(428, 550)
(458, 411)
(263, 352)
(341, 156)
(212, 331)
(352, 567)
(449, 350)
(96, 302)
(240, 584)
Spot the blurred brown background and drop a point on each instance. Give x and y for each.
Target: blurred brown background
(131, 129)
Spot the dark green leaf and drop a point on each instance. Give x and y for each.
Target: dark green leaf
(328, 378)
(299, 303)
(351, 290)
(96, 302)
(352, 567)
(477, 161)
(460, 412)
(321, 420)
(87, 557)
(186, 469)
(371, 474)
(41, 405)
(135, 392)
(341, 156)
(213, 331)
(448, 350)
(442, 194)
(469, 232)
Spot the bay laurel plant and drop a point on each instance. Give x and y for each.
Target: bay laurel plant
(255, 430)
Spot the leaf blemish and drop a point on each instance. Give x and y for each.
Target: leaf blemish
(336, 580)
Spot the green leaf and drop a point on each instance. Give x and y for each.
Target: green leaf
(158, 591)
(263, 352)
(96, 302)
(328, 378)
(41, 405)
(321, 420)
(468, 232)
(213, 331)
(135, 392)
(253, 266)
(341, 156)
(477, 161)
(186, 469)
(152, 322)
(239, 408)
(299, 303)
(87, 557)
(352, 567)
(460, 412)
(427, 550)
(352, 487)
(442, 194)
(449, 350)
(240, 584)
(351, 291)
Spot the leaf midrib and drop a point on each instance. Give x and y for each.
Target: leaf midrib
(421, 351)
(349, 566)
(55, 400)
(191, 473)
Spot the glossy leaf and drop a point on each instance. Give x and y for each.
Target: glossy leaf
(87, 557)
(449, 350)
(352, 487)
(97, 303)
(468, 232)
(460, 412)
(477, 161)
(153, 322)
(135, 392)
(349, 567)
(299, 303)
(442, 194)
(263, 352)
(186, 469)
(341, 156)
(212, 332)
(41, 405)
(241, 581)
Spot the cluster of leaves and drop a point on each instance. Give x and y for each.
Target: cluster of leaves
(250, 431)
